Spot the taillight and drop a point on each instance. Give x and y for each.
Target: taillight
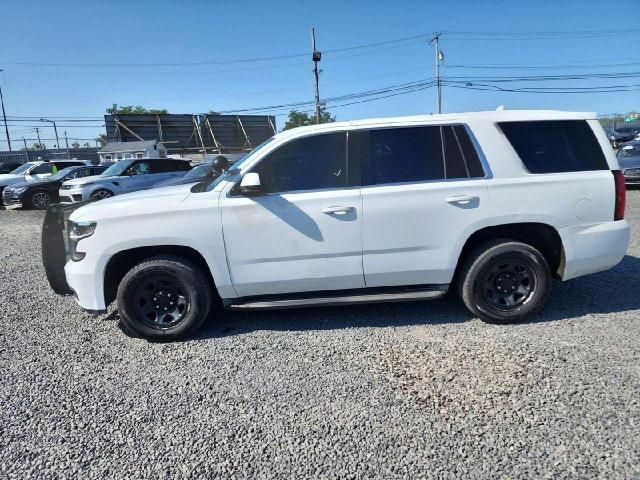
(621, 195)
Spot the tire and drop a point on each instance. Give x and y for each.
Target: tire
(39, 200)
(504, 281)
(101, 194)
(146, 292)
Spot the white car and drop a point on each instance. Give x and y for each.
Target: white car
(495, 204)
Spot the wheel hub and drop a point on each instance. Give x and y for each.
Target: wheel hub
(164, 300)
(505, 283)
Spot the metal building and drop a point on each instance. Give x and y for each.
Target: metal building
(193, 133)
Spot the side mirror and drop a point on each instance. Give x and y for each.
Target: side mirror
(250, 184)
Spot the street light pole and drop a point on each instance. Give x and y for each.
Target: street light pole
(54, 128)
(4, 116)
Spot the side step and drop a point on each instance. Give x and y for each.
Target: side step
(328, 299)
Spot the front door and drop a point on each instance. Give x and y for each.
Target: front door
(305, 232)
(426, 193)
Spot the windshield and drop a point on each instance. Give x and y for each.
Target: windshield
(23, 168)
(116, 169)
(199, 171)
(629, 151)
(62, 173)
(234, 170)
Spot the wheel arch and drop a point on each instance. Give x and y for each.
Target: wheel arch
(541, 236)
(121, 262)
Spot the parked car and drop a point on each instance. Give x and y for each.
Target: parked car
(36, 171)
(39, 194)
(123, 176)
(8, 166)
(492, 205)
(621, 135)
(199, 173)
(629, 160)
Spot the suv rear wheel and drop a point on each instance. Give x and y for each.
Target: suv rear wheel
(164, 298)
(504, 281)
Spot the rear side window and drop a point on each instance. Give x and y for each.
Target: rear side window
(555, 146)
(309, 163)
(43, 168)
(163, 166)
(411, 154)
(417, 154)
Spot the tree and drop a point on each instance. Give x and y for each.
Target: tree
(75, 144)
(86, 144)
(102, 139)
(300, 119)
(212, 112)
(131, 109)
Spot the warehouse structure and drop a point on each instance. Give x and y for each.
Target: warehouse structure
(192, 135)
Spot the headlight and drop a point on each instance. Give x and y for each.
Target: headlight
(81, 185)
(78, 231)
(19, 189)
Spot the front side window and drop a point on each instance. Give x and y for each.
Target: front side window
(309, 163)
(555, 146)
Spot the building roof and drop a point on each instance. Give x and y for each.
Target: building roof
(127, 146)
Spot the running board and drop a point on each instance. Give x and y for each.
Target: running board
(328, 300)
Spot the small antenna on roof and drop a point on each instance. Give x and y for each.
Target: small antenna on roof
(500, 108)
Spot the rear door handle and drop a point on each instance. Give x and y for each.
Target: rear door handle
(462, 199)
(337, 210)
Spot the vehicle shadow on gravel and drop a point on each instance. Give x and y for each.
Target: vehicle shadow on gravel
(609, 292)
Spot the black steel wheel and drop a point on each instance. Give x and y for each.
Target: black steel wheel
(164, 298)
(161, 301)
(504, 281)
(40, 200)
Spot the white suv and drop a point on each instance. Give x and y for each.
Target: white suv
(495, 204)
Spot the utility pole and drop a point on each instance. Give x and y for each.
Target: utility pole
(55, 129)
(25, 144)
(66, 142)
(4, 116)
(439, 59)
(317, 56)
(38, 133)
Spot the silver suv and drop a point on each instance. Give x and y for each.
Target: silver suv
(122, 177)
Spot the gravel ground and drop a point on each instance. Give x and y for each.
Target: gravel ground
(411, 390)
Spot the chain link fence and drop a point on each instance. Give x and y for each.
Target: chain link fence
(23, 156)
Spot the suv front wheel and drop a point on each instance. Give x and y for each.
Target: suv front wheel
(164, 298)
(504, 281)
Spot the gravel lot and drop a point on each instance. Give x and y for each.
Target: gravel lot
(399, 390)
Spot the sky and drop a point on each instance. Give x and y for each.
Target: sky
(75, 58)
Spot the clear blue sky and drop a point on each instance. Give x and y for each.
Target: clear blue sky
(170, 32)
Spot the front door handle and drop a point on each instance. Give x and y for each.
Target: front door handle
(462, 199)
(337, 210)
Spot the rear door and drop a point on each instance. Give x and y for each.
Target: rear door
(424, 192)
(137, 177)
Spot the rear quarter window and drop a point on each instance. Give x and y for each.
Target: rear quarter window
(555, 146)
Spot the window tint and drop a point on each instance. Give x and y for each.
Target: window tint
(43, 168)
(455, 164)
(82, 172)
(410, 154)
(555, 146)
(309, 163)
(139, 168)
(97, 170)
(162, 166)
(468, 151)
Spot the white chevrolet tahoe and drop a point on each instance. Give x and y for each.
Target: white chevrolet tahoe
(492, 204)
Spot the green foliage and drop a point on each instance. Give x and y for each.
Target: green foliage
(131, 109)
(300, 119)
(102, 139)
(36, 146)
(75, 145)
(213, 112)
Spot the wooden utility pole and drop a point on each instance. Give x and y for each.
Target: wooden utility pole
(316, 58)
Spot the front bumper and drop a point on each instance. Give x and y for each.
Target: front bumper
(9, 197)
(71, 196)
(65, 276)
